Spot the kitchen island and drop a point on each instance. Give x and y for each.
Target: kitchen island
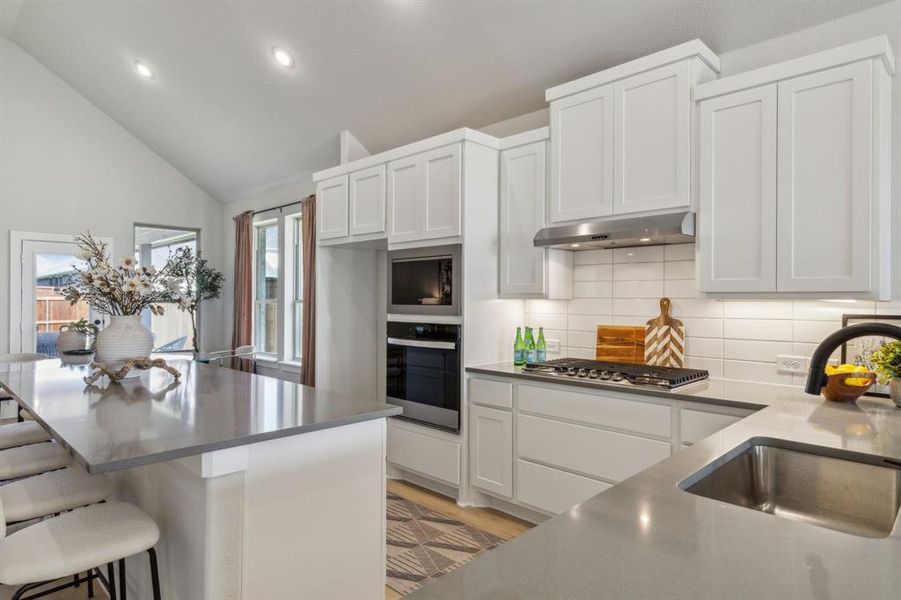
(647, 538)
(262, 488)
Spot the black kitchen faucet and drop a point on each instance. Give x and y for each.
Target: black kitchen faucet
(816, 377)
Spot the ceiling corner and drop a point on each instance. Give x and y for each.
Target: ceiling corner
(9, 14)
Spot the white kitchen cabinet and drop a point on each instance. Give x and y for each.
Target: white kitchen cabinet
(652, 140)
(551, 490)
(824, 191)
(621, 139)
(582, 155)
(737, 211)
(425, 196)
(491, 450)
(367, 201)
(527, 271)
(697, 421)
(424, 451)
(795, 178)
(331, 197)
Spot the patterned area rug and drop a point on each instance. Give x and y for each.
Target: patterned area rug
(424, 545)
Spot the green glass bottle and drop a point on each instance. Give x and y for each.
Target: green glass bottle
(541, 346)
(519, 349)
(529, 354)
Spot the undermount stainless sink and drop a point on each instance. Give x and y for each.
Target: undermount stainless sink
(801, 482)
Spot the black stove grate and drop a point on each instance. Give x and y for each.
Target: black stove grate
(673, 376)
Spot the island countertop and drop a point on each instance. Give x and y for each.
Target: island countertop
(113, 426)
(646, 538)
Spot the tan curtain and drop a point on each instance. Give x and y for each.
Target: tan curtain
(242, 328)
(308, 349)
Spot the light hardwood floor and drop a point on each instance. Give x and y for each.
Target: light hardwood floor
(499, 524)
(486, 519)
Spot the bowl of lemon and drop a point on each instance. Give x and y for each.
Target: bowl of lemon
(847, 383)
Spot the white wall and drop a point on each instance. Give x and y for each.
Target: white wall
(66, 167)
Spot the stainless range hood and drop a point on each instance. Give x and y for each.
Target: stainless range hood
(652, 230)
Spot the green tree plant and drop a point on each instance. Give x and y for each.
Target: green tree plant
(194, 281)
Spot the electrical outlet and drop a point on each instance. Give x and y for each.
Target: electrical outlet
(791, 364)
(553, 345)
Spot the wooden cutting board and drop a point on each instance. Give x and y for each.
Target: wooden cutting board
(664, 342)
(620, 343)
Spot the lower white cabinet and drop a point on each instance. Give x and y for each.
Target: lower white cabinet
(424, 451)
(491, 450)
(548, 447)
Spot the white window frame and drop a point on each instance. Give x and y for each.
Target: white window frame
(257, 226)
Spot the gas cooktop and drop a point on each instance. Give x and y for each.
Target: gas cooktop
(596, 371)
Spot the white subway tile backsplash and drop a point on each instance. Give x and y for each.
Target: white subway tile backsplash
(825, 310)
(638, 271)
(704, 347)
(889, 308)
(592, 273)
(710, 328)
(646, 307)
(760, 351)
(680, 269)
(548, 321)
(679, 252)
(584, 323)
(757, 310)
(679, 288)
(592, 289)
(713, 365)
(638, 289)
(696, 307)
(638, 255)
(546, 306)
(593, 257)
(591, 306)
(758, 329)
(754, 371)
(561, 336)
(583, 339)
(586, 353)
(813, 332)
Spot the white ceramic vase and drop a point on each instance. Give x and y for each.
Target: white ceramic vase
(69, 339)
(125, 338)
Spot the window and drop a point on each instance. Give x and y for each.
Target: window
(266, 307)
(297, 304)
(172, 332)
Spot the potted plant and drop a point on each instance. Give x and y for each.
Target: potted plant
(887, 364)
(122, 292)
(193, 281)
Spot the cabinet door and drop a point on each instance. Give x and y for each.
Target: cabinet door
(738, 192)
(491, 450)
(523, 268)
(582, 155)
(441, 172)
(824, 181)
(404, 194)
(652, 140)
(332, 201)
(367, 201)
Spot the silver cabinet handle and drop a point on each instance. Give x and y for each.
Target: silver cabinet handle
(422, 344)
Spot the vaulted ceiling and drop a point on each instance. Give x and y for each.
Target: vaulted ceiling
(391, 71)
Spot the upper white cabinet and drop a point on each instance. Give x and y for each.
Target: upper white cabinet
(332, 203)
(652, 139)
(621, 139)
(582, 155)
(527, 271)
(404, 188)
(738, 191)
(367, 201)
(794, 176)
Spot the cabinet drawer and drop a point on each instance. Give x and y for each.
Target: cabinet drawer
(606, 454)
(424, 453)
(696, 424)
(491, 393)
(551, 490)
(607, 411)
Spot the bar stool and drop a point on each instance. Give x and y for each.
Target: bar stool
(79, 541)
(32, 460)
(52, 492)
(19, 357)
(22, 434)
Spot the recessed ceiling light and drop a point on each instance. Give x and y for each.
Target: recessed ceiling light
(143, 70)
(644, 239)
(574, 245)
(282, 57)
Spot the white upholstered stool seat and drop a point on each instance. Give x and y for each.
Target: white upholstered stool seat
(22, 434)
(52, 492)
(32, 459)
(75, 542)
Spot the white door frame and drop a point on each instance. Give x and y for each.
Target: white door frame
(16, 291)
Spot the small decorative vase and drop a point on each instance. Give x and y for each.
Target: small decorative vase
(69, 339)
(895, 391)
(125, 338)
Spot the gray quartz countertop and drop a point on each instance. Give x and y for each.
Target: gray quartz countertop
(646, 538)
(112, 426)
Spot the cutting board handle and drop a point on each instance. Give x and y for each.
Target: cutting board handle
(666, 317)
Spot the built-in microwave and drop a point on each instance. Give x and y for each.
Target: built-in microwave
(425, 281)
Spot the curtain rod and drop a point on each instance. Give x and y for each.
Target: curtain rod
(262, 210)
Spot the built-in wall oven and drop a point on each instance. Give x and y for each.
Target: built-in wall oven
(423, 372)
(424, 281)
